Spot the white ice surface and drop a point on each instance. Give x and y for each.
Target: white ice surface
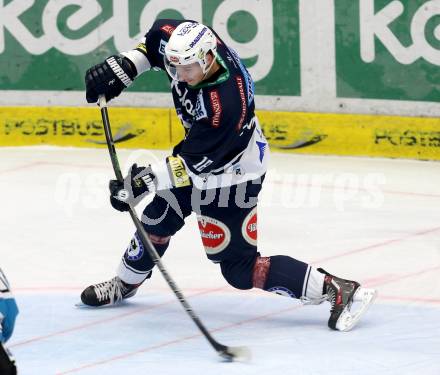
(373, 220)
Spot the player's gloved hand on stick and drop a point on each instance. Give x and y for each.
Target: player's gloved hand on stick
(8, 309)
(138, 182)
(109, 78)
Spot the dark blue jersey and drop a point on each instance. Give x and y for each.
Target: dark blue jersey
(217, 114)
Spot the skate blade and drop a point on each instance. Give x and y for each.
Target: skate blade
(348, 318)
(81, 305)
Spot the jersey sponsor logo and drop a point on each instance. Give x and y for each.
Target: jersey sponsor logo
(216, 108)
(242, 100)
(168, 29)
(189, 107)
(178, 172)
(200, 111)
(249, 227)
(247, 77)
(203, 164)
(135, 250)
(162, 46)
(216, 236)
(198, 37)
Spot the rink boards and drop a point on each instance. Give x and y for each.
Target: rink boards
(159, 128)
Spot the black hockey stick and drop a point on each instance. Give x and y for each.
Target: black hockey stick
(226, 352)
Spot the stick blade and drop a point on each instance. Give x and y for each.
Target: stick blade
(235, 354)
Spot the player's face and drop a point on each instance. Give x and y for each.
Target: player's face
(191, 73)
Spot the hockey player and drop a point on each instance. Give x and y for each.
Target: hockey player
(8, 314)
(217, 172)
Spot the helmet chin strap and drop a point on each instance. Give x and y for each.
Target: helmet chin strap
(208, 68)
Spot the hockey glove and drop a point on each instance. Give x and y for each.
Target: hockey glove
(177, 148)
(109, 78)
(139, 181)
(8, 309)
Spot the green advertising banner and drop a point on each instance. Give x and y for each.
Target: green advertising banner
(304, 55)
(388, 49)
(49, 44)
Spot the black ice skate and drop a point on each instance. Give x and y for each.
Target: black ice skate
(342, 294)
(108, 293)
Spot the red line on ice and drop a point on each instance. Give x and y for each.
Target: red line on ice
(409, 299)
(393, 279)
(77, 328)
(56, 164)
(21, 167)
(261, 317)
(325, 187)
(101, 321)
(377, 245)
(153, 347)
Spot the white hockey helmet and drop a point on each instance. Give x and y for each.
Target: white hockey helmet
(189, 43)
